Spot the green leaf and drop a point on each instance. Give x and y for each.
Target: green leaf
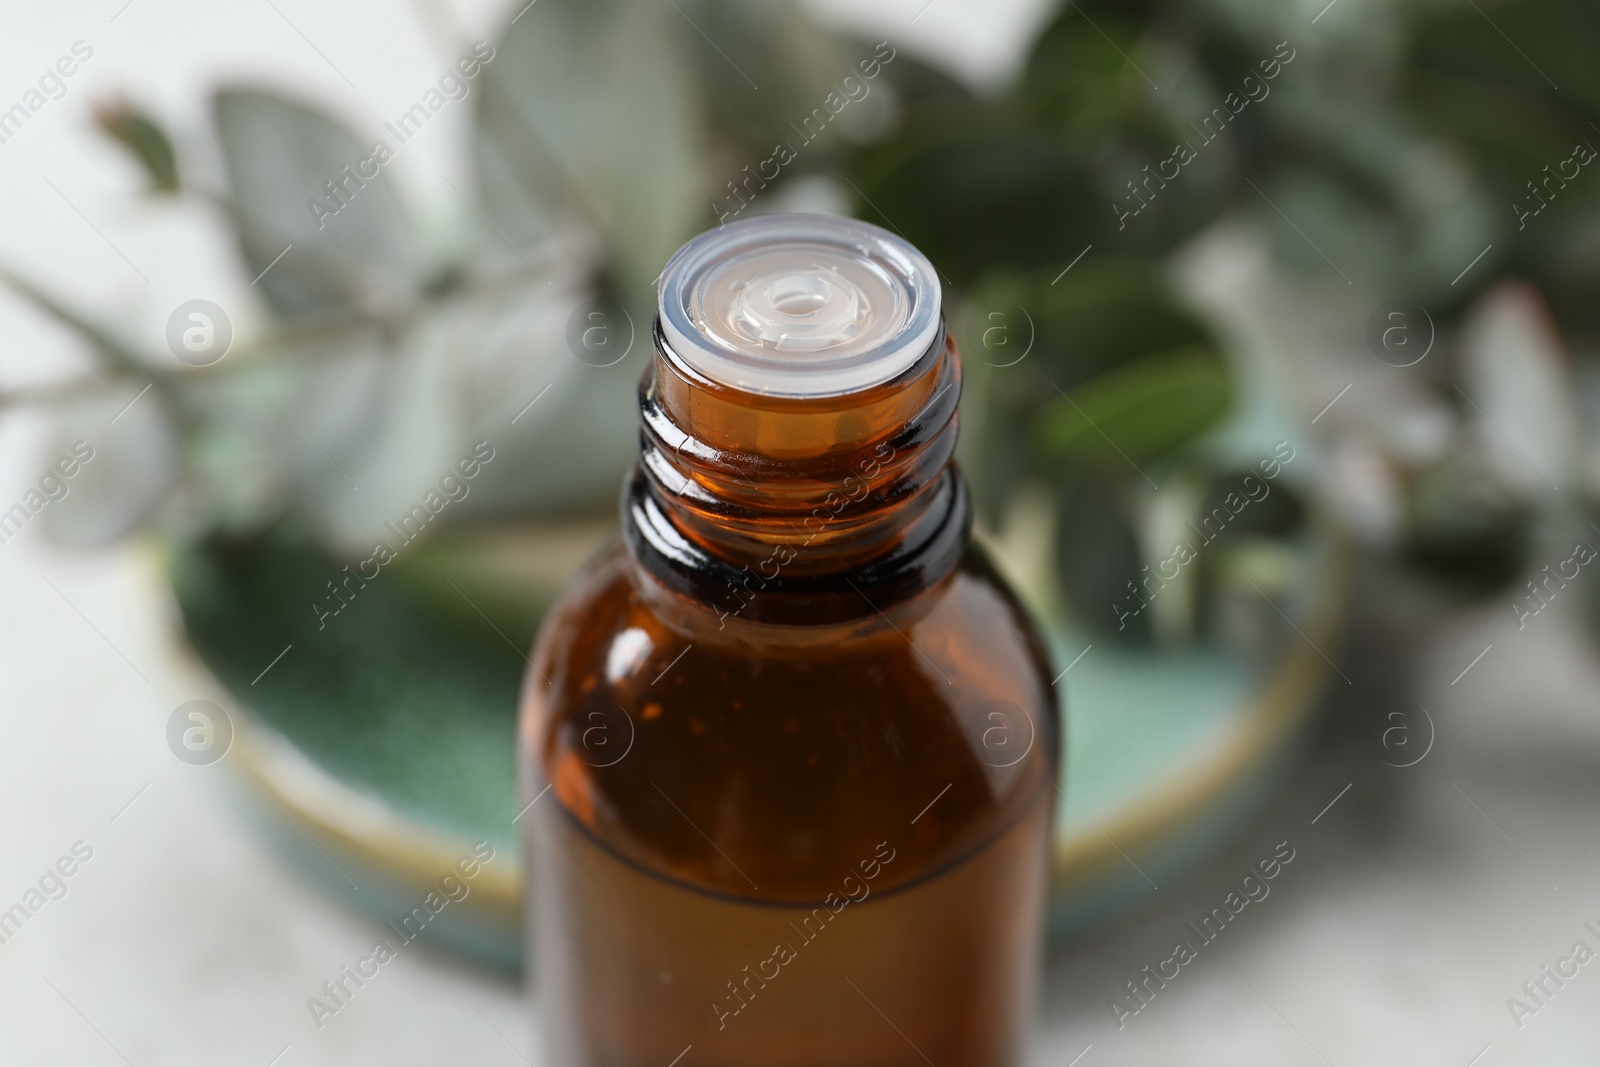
(971, 190)
(1027, 338)
(1141, 410)
(364, 428)
(1517, 113)
(300, 192)
(1105, 313)
(1083, 76)
(132, 469)
(589, 112)
(1098, 555)
(763, 64)
(147, 141)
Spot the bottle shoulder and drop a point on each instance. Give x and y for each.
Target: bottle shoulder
(729, 754)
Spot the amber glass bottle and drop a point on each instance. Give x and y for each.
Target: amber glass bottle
(790, 746)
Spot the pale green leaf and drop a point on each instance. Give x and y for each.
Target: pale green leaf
(317, 233)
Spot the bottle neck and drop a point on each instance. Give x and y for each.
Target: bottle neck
(798, 510)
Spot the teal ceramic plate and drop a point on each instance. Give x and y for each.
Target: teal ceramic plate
(378, 749)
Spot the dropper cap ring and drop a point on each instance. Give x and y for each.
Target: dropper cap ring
(799, 305)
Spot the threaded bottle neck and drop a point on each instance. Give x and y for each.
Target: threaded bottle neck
(786, 509)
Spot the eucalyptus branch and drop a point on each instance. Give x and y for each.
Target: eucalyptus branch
(57, 392)
(577, 192)
(111, 351)
(121, 360)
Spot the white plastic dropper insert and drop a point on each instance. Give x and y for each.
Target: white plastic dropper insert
(799, 305)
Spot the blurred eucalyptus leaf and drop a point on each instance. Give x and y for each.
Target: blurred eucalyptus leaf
(1104, 314)
(1520, 115)
(971, 193)
(134, 463)
(366, 435)
(1464, 79)
(1467, 527)
(317, 218)
(1030, 339)
(235, 462)
(763, 64)
(1099, 556)
(1085, 376)
(563, 425)
(590, 113)
(1079, 71)
(1138, 411)
(140, 134)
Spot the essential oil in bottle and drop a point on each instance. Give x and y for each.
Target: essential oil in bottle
(792, 741)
